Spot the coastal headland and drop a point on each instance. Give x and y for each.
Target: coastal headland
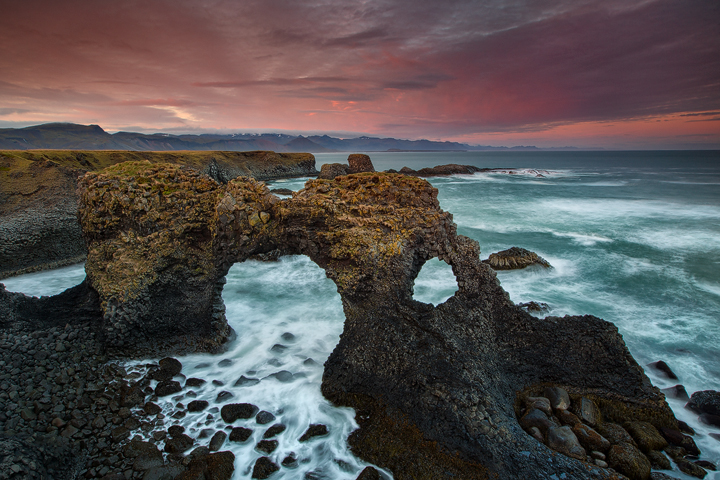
(473, 388)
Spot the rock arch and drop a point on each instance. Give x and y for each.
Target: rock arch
(434, 387)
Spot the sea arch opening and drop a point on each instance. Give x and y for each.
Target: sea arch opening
(435, 282)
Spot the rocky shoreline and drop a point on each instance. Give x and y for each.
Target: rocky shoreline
(437, 391)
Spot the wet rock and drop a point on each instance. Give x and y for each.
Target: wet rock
(646, 436)
(119, 434)
(267, 446)
(290, 461)
(689, 468)
(706, 465)
(282, 376)
(709, 419)
(194, 382)
(176, 430)
(178, 443)
(217, 441)
(197, 405)
(276, 429)
(706, 401)
(240, 434)
(165, 472)
(281, 191)
(369, 473)
(677, 391)
(263, 468)
(659, 460)
(152, 408)
(329, 171)
(629, 461)
(223, 396)
(558, 397)
(685, 428)
(171, 366)
(167, 387)
(288, 337)
(236, 411)
(218, 383)
(664, 368)
(661, 476)
(244, 381)
(278, 348)
(213, 466)
(264, 417)
(226, 362)
(563, 440)
(588, 412)
(360, 163)
(314, 430)
(534, 307)
(590, 439)
(515, 258)
(674, 437)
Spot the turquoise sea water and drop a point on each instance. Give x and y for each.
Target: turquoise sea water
(634, 238)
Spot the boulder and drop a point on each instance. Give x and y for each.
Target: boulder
(329, 171)
(515, 258)
(360, 163)
(629, 461)
(217, 440)
(615, 433)
(677, 391)
(212, 466)
(664, 368)
(587, 411)
(541, 403)
(538, 419)
(706, 401)
(237, 411)
(263, 468)
(646, 436)
(558, 397)
(563, 440)
(314, 430)
(590, 439)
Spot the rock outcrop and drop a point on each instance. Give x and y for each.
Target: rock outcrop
(38, 204)
(360, 163)
(329, 171)
(435, 388)
(441, 170)
(515, 258)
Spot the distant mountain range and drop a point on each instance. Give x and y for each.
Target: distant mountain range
(70, 136)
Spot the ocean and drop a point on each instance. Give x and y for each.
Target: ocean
(633, 237)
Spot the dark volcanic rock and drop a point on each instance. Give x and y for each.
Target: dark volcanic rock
(240, 434)
(281, 191)
(267, 446)
(217, 440)
(167, 387)
(441, 170)
(706, 401)
(369, 473)
(264, 417)
(314, 430)
(398, 361)
(178, 443)
(197, 405)
(677, 391)
(515, 258)
(664, 368)
(359, 163)
(264, 467)
(212, 466)
(236, 411)
(329, 171)
(629, 461)
(274, 430)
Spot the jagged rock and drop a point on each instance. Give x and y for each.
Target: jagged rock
(329, 171)
(314, 430)
(267, 446)
(677, 391)
(664, 368)
(369, 473)
(646, 436)
(706, 401)
(359, 163)
(534, 307)
(677, 438)
(264, 467)
(629, 461)
(372, 233)
(515, 258)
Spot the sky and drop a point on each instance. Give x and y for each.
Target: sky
(620, 74)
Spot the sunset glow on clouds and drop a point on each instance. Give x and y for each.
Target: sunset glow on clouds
(615, 74)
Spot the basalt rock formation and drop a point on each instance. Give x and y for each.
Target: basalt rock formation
(515, 258)
(38, 203)
(437, 390)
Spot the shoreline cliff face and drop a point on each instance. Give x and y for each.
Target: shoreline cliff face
(38, 202)
(436, 389)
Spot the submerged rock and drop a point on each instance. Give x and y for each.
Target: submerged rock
(515, 258)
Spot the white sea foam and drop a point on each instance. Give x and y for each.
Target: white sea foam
(38, 284)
